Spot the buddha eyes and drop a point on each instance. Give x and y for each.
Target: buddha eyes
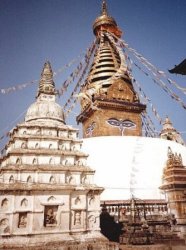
(114, 122)
(119, 123)
(128, 124)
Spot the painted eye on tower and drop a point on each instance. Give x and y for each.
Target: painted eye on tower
(113, 122)
(128, 124)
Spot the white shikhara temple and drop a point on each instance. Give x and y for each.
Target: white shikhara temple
(47, 193)
(46, 186)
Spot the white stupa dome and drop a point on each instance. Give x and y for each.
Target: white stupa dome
(126, 164)
(45, 110)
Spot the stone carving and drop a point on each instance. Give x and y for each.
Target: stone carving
(22, 220)
(38, 132)
(70, 179)
(23, 145)
(74, 147)
(91, 221)
(77, 218)
(4, 226)
(77, 201)
(51, 198)
(52, 180)
(11, 179)
(34, 161)
(92, 201)
(51, 161)
(24, 203)
(173, 159)
(4, 204)
(66, 163)
(18, 161)
(50, 216)
(84, 179)
(29, 179)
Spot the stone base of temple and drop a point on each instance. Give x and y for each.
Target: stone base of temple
(152, 247)
(87, 241)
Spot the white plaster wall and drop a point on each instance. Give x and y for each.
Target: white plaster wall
(49, 132)
(72, 134)
(129, 163)
(25, 175)
(63, 133)
(34, 207)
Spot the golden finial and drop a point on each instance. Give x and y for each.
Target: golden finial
(104, 20)
(104, 8)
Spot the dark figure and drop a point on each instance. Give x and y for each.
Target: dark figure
(109, 228)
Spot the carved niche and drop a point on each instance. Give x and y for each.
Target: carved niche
(4, 204)
(50, 214)
(4, 226)
(22, 223)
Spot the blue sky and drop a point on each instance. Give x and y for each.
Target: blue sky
(33, 31)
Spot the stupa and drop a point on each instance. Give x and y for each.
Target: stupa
(111, 115)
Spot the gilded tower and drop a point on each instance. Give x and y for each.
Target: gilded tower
(109, 104)
(174, 185)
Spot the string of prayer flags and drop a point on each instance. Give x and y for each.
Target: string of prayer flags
(140, 91)
(17, 87)
(166, 89)
(79, 83)
(70, 79)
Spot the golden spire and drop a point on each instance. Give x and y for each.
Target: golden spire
(108, 93)
(105, 22)
(104, 8)
(46, 83)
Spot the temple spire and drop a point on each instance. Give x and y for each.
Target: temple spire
(46, 83)
(170, 133)
(109, 104)
(104, 8)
